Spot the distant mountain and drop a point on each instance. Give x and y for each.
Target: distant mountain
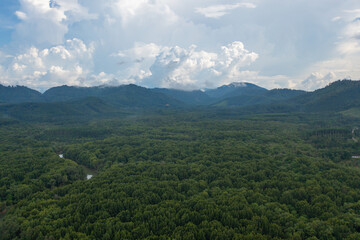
(235, 89)
(135, 96)
(284, 93)
(211, 96)
(338, 96)
(92, 105)
(196, 97)
(86, 107)
(19, 94)
(67, 93)
(121, 96)
(260, 98)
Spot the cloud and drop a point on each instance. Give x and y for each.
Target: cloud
(147, 42)
(44, 68)
(189, 69)
(317, 80)
(141, 50)
(335, 19)
(128, 10)
(350, 42)
(217, 11)
(135, 63)
(344, 62)
(21, 15)
(47, 22)
(149, 65)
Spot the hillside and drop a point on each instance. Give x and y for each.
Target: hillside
(235, 89)
(19, 94)
(85, 108)
(67, 93)
(338, 96)
(181, 175)
(260, 98)
(196, 97)
(121, 96)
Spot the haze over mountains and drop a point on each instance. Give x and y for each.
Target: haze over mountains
(66, 100)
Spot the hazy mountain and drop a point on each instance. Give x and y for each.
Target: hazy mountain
(266, 97)
(211, 96)
(86, 107)
(196, 97)
(284, 93)
(339, 95)
(131, 95)
(67, 93)
(135, 96)
(121, 96)
(19, 94)
(235, 89)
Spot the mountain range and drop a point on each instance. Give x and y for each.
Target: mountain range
(21, 101)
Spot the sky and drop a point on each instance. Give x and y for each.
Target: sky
(181, 44)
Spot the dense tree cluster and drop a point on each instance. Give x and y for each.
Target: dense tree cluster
(195, 177)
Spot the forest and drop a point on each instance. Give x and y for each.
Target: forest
(175, 174)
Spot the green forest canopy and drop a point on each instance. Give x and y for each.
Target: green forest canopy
(181, 176)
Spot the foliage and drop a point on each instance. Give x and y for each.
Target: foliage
(181, 175)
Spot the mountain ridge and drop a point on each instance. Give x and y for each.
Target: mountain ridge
(336, 97)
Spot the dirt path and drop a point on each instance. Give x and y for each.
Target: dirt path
(353, 134)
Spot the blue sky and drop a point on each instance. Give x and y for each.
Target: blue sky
(187, 44)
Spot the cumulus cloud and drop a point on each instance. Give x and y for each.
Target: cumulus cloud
(40, 55)
(181, 68)
(217, 11)
(349, 43)
(47, 22)
(147, 64)
(346, 55)
(134, 64)
(43, 68)
(127, 10)
(317, 80)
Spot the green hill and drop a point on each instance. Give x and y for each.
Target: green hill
(196, 97)
(338, 96)
(121, 96)
(264, 98)
(84, 108)
(19, 94)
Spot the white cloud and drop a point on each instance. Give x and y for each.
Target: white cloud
(47, 22)
(335, 19)
(129, 10)
(350, 37)
(291, 45)
(269, 82)
(141, 50)
(181, 68)
(217, 11)
(62, 64)
(134, 64)
(346, 56)
(317, 80)
(21, 15)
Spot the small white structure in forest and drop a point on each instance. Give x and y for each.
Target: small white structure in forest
(61, 155)
(89, 176)
(356, 156)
